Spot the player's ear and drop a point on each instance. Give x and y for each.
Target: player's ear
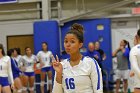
(80, 45)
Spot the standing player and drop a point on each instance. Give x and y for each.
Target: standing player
(28, 61)
(122, 54)
(16, 54)
(5, 72)
(44, 57)
(16, 71)
(135, 62)
(97, 48)
(78, 74)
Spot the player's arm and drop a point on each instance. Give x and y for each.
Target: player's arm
(10, 73)
(13, 65)
(115, 52)
(96, 77)
(22, 64)
(126, 52)
(104, 56)
(57, 87)
(134, 63)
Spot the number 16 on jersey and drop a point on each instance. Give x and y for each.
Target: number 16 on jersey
(70, 83)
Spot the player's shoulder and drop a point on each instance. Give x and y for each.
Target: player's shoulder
(85, 60)
(23, 57)
(65, 61)
(40, 52)
(33, 55)
(135, 48)
(88, 59)
(49, 52)
(7, 58)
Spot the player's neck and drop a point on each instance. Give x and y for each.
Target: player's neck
(75, 57)
(29, 55)
(45, 51)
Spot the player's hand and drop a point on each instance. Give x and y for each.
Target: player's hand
(41, 64)
(22, 69)
(132, 74)
(56, 64)
(12, 86)
(96, 56)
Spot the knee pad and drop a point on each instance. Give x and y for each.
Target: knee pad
(24, 89)
(20, 90)
(31, 88)
(42, 83)
(50, 82)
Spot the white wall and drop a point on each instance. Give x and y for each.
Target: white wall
(123, 31)
(14, 28)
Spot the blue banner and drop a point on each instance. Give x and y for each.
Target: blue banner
(7, 1)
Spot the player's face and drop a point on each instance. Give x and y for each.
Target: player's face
(44, 47)
(15, 53)
(91, 47)
(28, 51)
(72, 44)
(135, 41)
(122, 43)
(97, 45)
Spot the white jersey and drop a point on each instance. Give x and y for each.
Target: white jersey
(135, 63)
(17, 59)
(83, 78)
(28, 62)
(45, 57)
(5, 68)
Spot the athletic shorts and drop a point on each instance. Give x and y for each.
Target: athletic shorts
(4, 81)
(136, 82)
(122, 74)
(16, 75)
(29, 74)
(46, 69)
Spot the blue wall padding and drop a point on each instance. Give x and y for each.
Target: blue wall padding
(47, 31)
(92, 34)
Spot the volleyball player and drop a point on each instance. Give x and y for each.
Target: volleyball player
(122, 54)
(5, 72)
(135, 62)
(78, 74)
(16, 71)
(44, 57)
(28, 61)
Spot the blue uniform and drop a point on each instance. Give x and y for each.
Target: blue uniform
(126, 54)
(16, 71)
(92, 54)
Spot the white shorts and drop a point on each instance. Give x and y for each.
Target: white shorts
(136, 82)
(122, 74)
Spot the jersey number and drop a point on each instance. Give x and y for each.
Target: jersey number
(29, 64)
(0, 67)
(70, 83)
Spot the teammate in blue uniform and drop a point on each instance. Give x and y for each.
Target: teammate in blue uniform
(16, 71)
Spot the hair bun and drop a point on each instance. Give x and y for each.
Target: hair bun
(138, 32)
(77, 27)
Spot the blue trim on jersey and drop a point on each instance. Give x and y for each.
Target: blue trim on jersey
(98, 84)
